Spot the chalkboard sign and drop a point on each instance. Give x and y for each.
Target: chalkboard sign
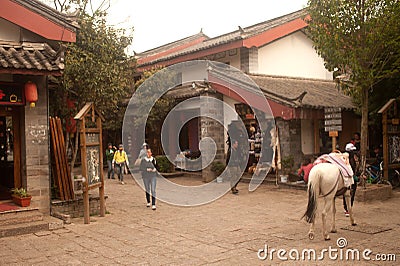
(394, 149)
(93, 164)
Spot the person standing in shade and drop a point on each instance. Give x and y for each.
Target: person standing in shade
(351, 149)
(234, 166)
(149, 175)
(357, 141)
(119, 160)
(143, 151)
(109, 157)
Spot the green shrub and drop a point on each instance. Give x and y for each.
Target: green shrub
(217, 167)
(287, 164)
(163, 164)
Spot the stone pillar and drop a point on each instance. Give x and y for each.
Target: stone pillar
(37, 148)
(249, 60)
(290, 139)
(212, 129)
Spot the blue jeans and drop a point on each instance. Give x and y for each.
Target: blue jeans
(110, 170)
(150, 185)
(121, 168)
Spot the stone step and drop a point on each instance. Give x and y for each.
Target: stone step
(20, 216)
(23, 228)
(28, 222)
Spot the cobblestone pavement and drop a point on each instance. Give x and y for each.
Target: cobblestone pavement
(228, 231)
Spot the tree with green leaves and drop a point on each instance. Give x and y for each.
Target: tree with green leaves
(97, 68)
(360, 41)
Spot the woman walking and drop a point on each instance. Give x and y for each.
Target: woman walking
(149, 175)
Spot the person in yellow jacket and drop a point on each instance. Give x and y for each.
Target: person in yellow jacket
(119, 161)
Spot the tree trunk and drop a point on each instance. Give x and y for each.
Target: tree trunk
(364, 128)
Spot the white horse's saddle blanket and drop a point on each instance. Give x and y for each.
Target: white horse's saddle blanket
(342, 161)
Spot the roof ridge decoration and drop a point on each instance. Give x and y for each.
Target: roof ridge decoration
(174, 43)
(289, 77)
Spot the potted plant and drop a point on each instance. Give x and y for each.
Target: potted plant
(287, 167)
(21, 197)
(217, 167)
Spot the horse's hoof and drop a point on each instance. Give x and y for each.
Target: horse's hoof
(334, 231)
(311, 236)
(354, 224)
(327, 238)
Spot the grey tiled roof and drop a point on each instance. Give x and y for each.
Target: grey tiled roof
(240, 34)
(319, 93)
(31, 56)
(172, 45)
(293, 92)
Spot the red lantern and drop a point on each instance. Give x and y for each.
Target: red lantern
(31, 94)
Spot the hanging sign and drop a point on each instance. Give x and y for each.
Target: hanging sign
(333, 119)
(11, 94)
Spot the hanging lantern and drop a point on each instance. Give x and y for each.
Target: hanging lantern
(31, 94)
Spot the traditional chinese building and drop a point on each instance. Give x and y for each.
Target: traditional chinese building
(279, 57)
(31, 50)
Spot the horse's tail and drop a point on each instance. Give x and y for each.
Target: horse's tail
(313, 191)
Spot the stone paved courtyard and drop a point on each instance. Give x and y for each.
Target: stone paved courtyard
(228, 231)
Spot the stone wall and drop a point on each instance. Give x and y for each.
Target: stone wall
(290, 139)
(210, 128)
(35, 149)
(74, 208)
(249, 60)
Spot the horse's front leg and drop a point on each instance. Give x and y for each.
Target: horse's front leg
(333, 227)
(327, 207)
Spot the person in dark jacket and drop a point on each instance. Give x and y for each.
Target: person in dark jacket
(234, 166)
(109, 157)
(149, 175)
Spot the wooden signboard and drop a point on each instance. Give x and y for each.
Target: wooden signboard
(391, 136)
(333, 123)
(90, 132)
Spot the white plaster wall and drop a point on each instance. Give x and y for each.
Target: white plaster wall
(9, 31)
(307, 136)
(195, 72)
(229, 115)
(292, 56)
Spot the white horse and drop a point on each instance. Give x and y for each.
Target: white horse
(325, 180)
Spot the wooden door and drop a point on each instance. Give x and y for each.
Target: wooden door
(10, 147)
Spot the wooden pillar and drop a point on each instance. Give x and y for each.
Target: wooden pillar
(316, 137)
(101, 172)
(385, 146)
(333, 135)
(16, 117)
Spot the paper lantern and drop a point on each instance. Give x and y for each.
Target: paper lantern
(31, 94)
